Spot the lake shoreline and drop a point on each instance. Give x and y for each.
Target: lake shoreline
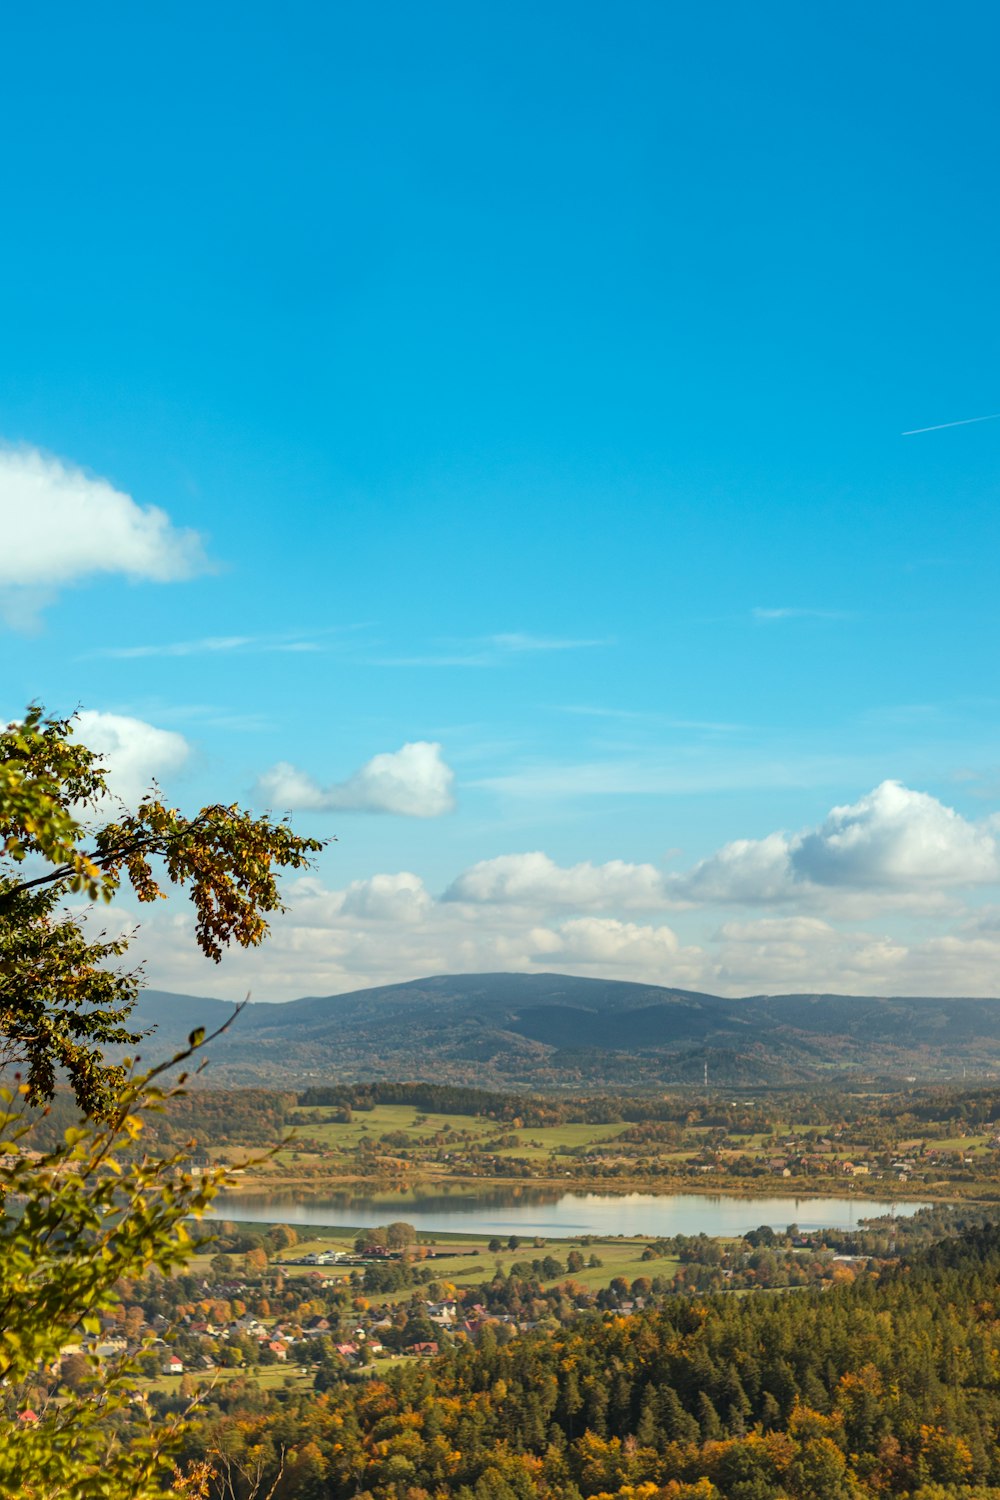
(476, 1187)
(565, 1214)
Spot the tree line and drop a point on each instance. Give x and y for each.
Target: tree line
(887, 1386)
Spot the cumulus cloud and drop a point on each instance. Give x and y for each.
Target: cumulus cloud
(807, 954)
(387, 898)
(135, 752)
(747, 870)
(413, 782)
(892, 841)
(389, 927)
(608, 942)
(892, 849)
(536, 880)
(61, 525)
(898, 837)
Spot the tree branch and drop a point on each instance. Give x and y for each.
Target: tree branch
(99, 861)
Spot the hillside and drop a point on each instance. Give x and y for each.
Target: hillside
(556, 1030)
(870, 1386)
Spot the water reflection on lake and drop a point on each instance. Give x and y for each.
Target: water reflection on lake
(533, 1211)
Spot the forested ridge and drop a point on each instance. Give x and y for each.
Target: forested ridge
(516, 1032)
(889, 1385)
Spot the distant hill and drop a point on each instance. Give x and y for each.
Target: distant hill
(555, 1030)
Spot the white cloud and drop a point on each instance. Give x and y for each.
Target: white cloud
(606, 941)
(536, 880)
(754, 871)
(897, 837)
(807, 954)
(389, 928)
(135, 751)
(414, 782)
(892, 850)
(893, 841)
(61, 525)
(387, 898)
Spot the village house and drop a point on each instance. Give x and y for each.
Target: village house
(442, 1312)
(247, 1323)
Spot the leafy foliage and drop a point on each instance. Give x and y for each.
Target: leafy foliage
(87, 1213)
(75, 1220)
(61, 1001)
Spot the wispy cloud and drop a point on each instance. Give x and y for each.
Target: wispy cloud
(687, 773)
(483, 659)
(940, 426)
(638, 716)
(793, 612)
(203, 714)
(490, 650)
(516, 641)
(178, 648)
(217, 644)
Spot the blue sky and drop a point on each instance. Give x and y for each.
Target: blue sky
(526, 385)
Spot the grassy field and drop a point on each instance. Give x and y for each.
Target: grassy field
(966, 1145)
(470, 1262)
(534, 1142)
(269, 1377)
(415, 1155)
(371, 1124)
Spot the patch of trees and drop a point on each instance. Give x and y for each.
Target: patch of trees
(398, 1235)
(226, 1117)
(882, 1387)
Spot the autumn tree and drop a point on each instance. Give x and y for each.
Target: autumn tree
(95, 1212)
(74, 1221)
(399, 1234)
(64, 837)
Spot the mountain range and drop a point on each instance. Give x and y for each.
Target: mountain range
(556, 1030)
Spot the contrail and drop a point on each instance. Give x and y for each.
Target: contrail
(966, 422)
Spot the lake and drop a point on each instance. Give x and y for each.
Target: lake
(559, 1216)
